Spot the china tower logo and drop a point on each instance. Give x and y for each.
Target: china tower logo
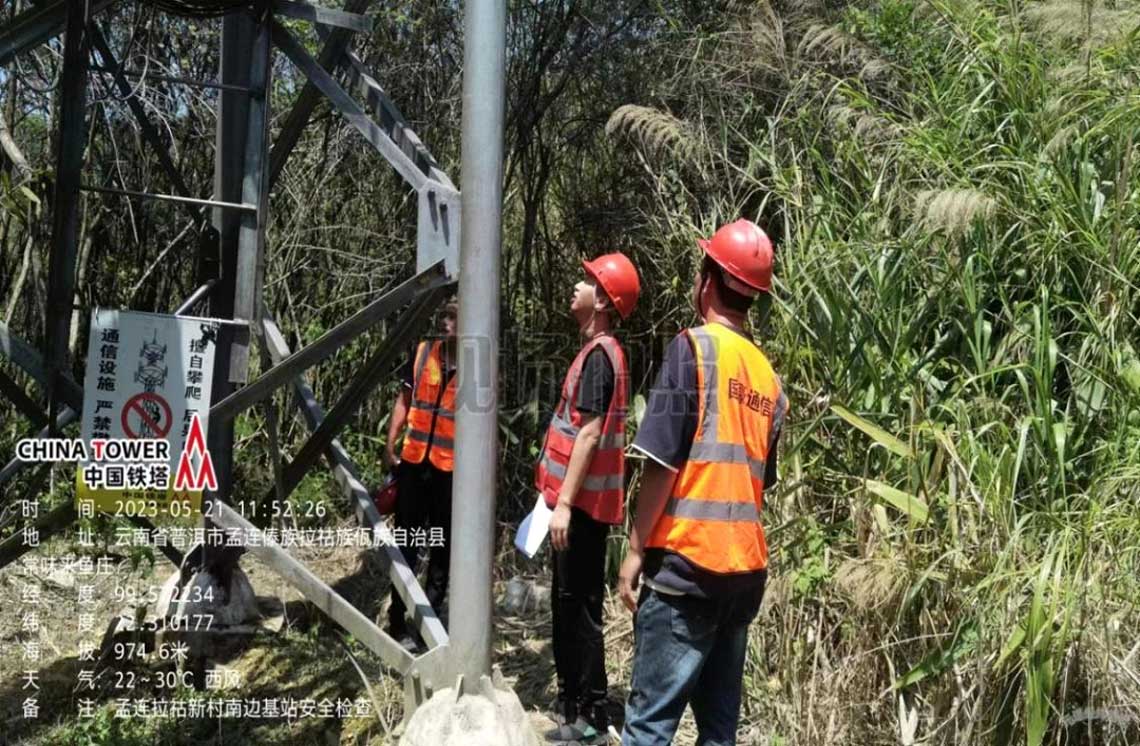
(186, 477)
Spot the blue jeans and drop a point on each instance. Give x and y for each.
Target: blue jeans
(689, 651)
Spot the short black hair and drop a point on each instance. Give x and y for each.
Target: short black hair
(734, 301)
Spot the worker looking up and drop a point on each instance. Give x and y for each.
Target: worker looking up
(426, 404)
(581, 475)
(697, 547)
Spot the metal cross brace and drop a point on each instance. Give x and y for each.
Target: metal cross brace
(334, 605)
(37, 25)
(347, 476)
(389, 117)
(352, 111)
(331, 341)
(15, 466)
(335, 43)
(31, 362)
(359, 389)
(148, 130)
(323, 15)
(27, 406)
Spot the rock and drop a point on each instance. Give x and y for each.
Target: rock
(492, 715)
(204, 596)
(272, 612)
(166, 595)
(540, 597)
(525, 596)
(61, 578)
(211, 622)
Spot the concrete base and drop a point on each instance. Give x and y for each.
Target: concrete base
(211, 621)
(490, 715)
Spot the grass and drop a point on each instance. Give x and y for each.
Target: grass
(952, 186)
(955, 315)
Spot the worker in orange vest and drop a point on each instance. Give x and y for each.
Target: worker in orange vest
(697, 562)
(580, 473)
(426, 404)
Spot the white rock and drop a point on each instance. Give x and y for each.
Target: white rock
(492, 716)
(524, 596)
(239, 607)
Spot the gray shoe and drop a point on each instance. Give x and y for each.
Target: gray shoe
(578, 733)
(558, 711)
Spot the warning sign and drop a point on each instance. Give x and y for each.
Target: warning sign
(146, 415)
(148, 378)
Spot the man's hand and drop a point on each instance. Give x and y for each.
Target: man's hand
(391, 458)
(560, 527)
(656, 486)
(630, 578)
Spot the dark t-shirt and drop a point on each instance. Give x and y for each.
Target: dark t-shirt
(596, 385)
(666, 435)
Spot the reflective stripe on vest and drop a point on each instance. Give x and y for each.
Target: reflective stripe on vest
(710, 510)
(431, 415)
(605, 441)
(713, 516)
(602, 493)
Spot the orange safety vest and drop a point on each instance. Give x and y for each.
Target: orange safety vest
(602, 494)
(713, 516)
(431, 418)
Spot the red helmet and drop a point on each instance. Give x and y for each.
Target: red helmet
(744, 251)
(618, 277)
(385, 496)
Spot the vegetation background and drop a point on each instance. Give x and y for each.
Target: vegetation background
(952, 188)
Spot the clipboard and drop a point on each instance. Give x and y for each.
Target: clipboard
(534, 528)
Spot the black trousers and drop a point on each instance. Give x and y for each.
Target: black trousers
(577, 592)
(423, 501)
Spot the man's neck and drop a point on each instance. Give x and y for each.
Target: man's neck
(597, 324)
(713, 316)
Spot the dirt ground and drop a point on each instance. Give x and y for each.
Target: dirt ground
(297, 654)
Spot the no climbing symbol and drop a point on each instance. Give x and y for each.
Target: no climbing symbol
(146, 415)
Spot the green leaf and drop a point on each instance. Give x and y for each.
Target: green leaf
(1131, 375)
(901, 501)
(638, 409)
(878, 434)
(1012, 645)
(1059, 435)
(30, 195)
(881, 520)
(963, 643)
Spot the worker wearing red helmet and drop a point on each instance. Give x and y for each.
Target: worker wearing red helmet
(580, 472)
(697, 560)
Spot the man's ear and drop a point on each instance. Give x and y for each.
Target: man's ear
(602, 301)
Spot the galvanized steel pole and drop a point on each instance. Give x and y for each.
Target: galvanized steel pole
(476, 446)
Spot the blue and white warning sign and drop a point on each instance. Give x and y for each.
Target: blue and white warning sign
(146, 396)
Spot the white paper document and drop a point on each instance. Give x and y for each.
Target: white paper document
(533, 529)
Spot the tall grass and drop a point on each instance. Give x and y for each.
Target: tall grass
(955, 206)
